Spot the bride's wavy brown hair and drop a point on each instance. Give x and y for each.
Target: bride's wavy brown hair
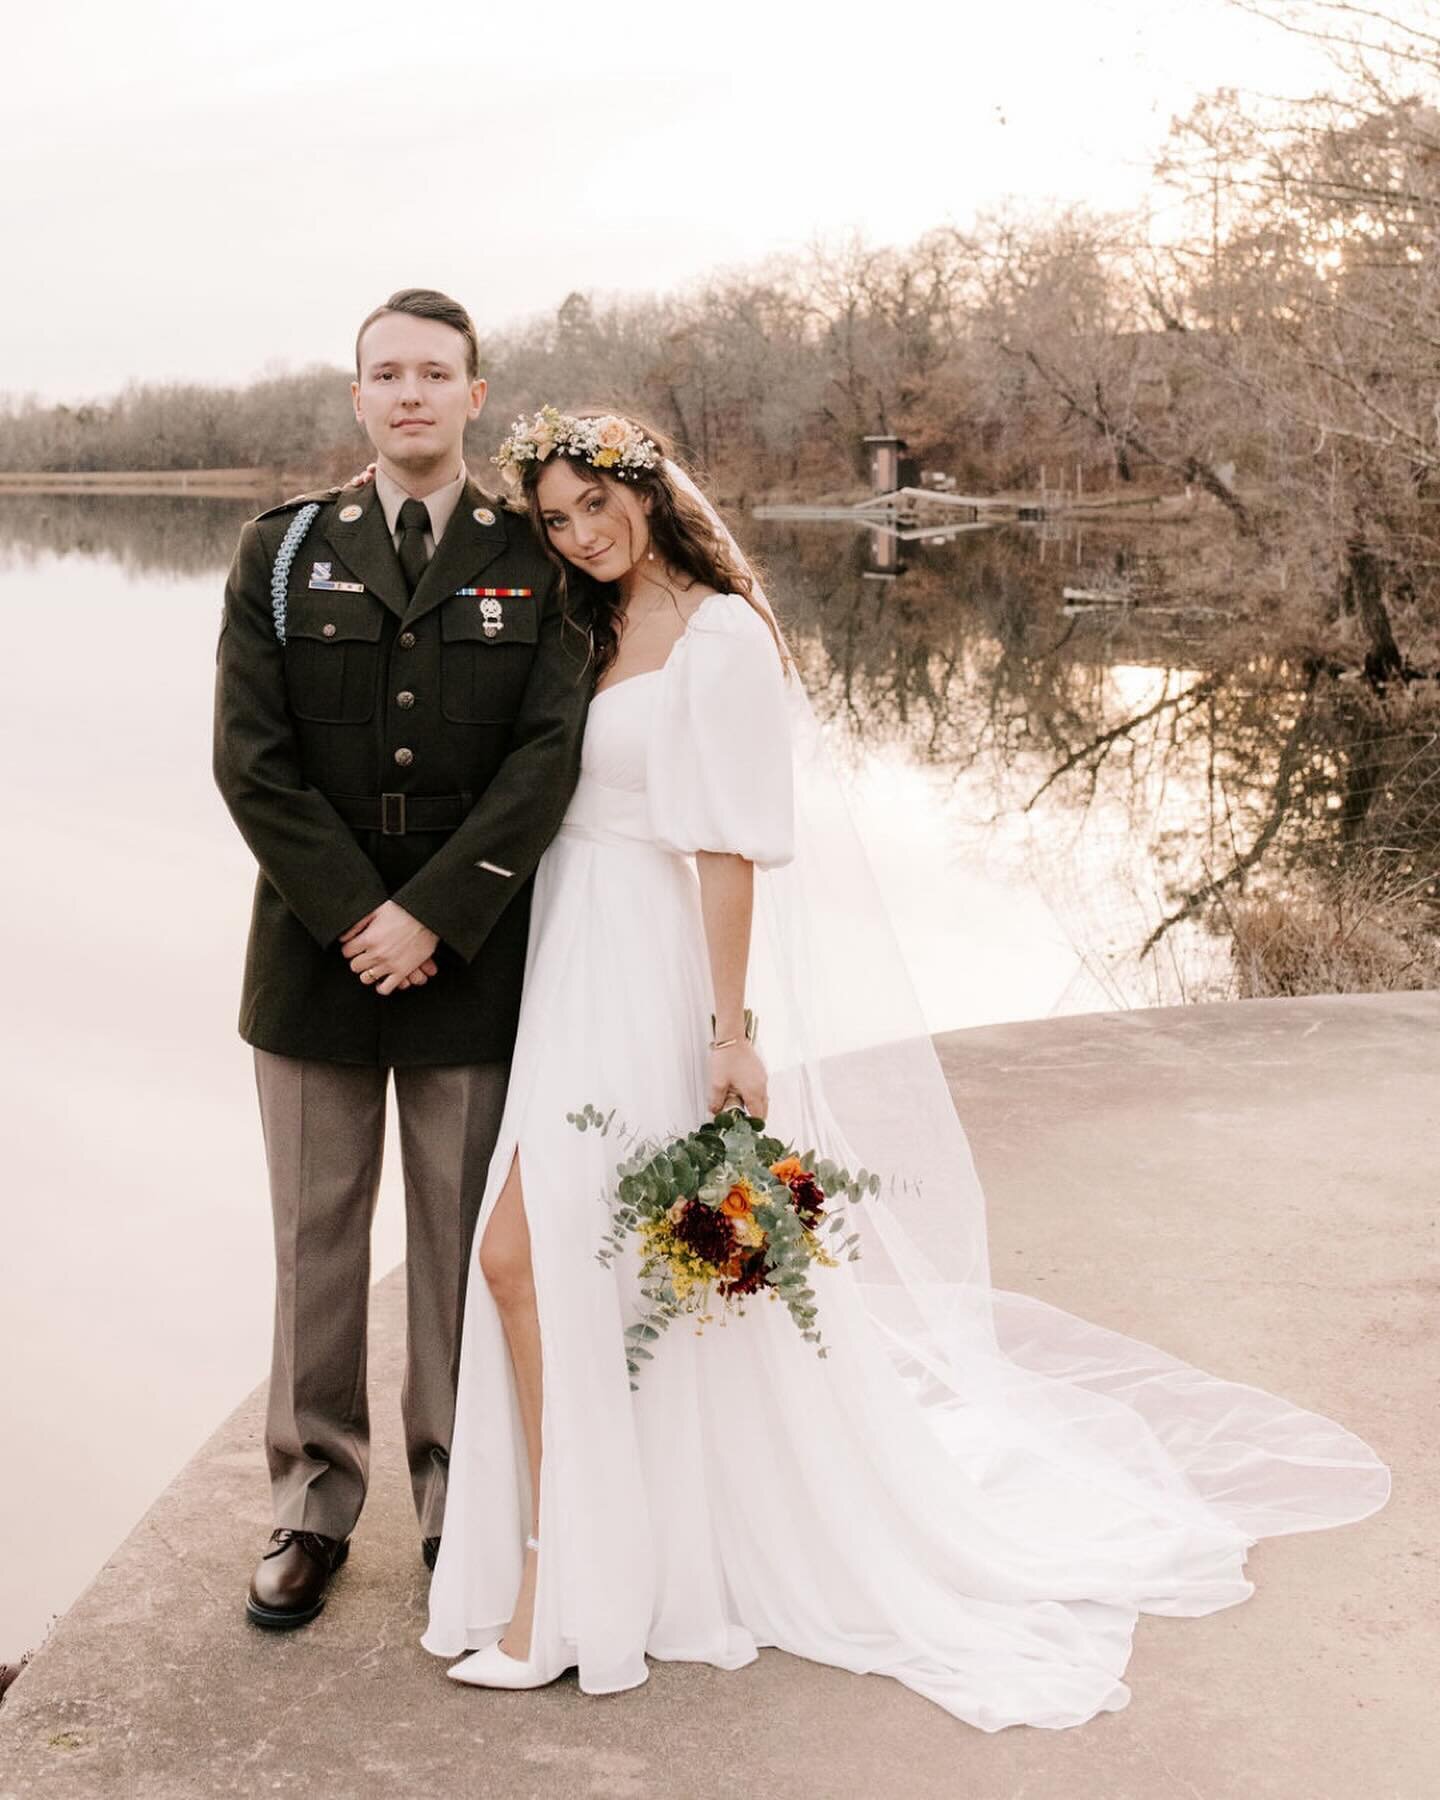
(681, 534)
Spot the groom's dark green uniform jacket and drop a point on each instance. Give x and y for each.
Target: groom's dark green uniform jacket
(416, 748)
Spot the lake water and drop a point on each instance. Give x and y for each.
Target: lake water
(1028, 831)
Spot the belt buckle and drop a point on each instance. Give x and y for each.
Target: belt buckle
(392, 815)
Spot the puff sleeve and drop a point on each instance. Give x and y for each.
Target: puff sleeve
(719, 763)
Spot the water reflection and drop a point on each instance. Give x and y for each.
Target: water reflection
(1166, 796)
(145, 535)
(1131, 792)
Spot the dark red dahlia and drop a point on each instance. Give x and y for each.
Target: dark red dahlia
(808, 1199)
(706, 1230)
(749, 1278)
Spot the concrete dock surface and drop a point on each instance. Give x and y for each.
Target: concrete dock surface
(1251, 1186)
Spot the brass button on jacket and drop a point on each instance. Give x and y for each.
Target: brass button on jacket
(404, 698)
(406, 640)
(404, 757)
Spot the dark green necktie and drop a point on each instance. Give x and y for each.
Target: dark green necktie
(414, 523)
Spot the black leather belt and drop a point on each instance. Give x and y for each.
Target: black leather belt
(395, 814)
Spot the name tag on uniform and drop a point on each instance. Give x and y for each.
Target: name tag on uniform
(320, 581)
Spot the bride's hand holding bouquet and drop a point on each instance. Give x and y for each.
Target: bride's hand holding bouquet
(737, 1075)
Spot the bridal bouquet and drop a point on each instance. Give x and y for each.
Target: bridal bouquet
(722, 1215)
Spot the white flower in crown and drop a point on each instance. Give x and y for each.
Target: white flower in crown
(609, 442)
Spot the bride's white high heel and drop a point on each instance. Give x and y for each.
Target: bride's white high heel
(493, 1667)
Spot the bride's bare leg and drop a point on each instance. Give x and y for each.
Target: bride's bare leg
(505, 1263)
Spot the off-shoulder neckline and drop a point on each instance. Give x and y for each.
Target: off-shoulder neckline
(645, 673)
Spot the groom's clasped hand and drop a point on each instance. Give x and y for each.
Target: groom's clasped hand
(390, 950)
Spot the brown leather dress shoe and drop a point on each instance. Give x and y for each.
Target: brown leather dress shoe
(288, 1588)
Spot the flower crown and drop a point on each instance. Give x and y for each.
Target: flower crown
(608, 442)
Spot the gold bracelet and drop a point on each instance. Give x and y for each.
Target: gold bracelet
(751, 1025)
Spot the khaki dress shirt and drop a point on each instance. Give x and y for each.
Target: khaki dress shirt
(440, 505)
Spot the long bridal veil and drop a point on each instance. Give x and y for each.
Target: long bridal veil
(854, 1074)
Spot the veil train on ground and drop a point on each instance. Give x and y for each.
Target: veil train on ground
(853, 1071)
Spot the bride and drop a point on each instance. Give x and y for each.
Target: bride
(973, 1493)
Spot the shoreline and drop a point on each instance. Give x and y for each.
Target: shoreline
(200, 484)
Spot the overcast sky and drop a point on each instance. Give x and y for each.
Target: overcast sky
(198, 191)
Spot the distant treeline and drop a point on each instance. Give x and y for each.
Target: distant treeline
(1276, 354)
(291, 422)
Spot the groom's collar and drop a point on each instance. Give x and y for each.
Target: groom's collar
(440, 502)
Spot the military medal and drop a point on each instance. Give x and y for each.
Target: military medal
(492, 613)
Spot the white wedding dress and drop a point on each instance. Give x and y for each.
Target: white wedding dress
(974, 1494)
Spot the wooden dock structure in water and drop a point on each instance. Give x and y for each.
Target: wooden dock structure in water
(915, 512)
(913, 509)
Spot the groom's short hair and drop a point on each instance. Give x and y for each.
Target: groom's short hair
(429, 303)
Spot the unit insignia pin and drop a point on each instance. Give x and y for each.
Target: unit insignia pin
(320, 572)
(492, 617)
(484, 516)
(349, 514)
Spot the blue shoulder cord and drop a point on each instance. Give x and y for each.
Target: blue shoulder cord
(280, 574)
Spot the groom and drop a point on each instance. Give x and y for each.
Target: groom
(399, 706)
